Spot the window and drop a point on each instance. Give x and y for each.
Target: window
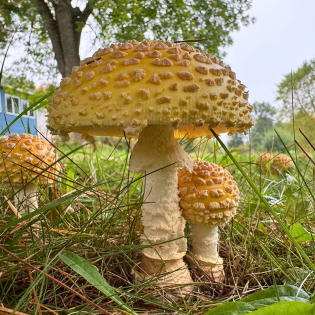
(13, 104)
(25, 104)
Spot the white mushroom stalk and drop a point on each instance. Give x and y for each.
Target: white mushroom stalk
(158, 154)
(26, 198)
(205, 243)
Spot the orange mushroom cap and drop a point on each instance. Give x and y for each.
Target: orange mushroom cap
(23, 157)
(280, 164)
(208, 195)
(127, 86)
(262, 161)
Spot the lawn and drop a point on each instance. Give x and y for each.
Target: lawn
(74, 255)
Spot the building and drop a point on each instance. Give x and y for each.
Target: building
(11, 105)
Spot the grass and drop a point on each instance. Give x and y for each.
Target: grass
(92, 215)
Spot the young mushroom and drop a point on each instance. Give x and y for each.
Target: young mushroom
(208, 199)
(280, 164)
(147, 90)
(22, 158)
(261, 162)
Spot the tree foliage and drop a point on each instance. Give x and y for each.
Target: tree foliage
(236, 141)
(303, 83)
(264, 114)
(264, 117)
(51, 28)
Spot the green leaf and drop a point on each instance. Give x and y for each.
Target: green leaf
(286, 308)
(270, 296)
(263, 299)
(232, 308)
(300, 234)
(90, 273)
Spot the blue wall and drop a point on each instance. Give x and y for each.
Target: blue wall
(17, 127)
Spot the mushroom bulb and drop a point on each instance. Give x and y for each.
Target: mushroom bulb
(280, 164)
(208, 198)
(23, 162)
(158, 92)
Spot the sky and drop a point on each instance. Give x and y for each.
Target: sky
(280, 40)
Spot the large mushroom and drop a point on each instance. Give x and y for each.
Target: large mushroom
(147, 90)
(24, 160)
(208, 199)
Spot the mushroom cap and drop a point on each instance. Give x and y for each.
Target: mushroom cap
(208, 195)
(23, 157)
(262, 161)
(280, 164)
(129, 85)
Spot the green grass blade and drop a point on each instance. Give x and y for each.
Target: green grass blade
(90, 273)
(265, 202)
(296, 167)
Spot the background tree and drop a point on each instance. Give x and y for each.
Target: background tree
(272, 142)
(303, 82)
(263, 135)
(264, 117)
(236, 141)
(53, 28)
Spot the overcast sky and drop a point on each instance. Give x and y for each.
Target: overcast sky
(280, 40)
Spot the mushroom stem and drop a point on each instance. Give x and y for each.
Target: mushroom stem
(158, 153)
(205, 248)
(26, 198)
(205, 243)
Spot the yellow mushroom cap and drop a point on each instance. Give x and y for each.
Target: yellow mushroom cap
(23, 157)
(262, 161)
(208, 194)
(129, 85)
(280, 164)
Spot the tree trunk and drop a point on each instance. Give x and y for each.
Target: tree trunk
(64, 31)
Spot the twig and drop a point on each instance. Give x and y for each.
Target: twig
(189, 41)
(9, 311)
(34, 292)
(16, 212)
(48, 309)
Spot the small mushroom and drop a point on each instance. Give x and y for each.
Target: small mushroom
(22, 158)
(280, 164)
(208, 198)
(261, 162)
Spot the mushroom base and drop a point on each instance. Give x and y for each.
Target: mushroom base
(215, 272)
(25, 198)
(170, 281)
